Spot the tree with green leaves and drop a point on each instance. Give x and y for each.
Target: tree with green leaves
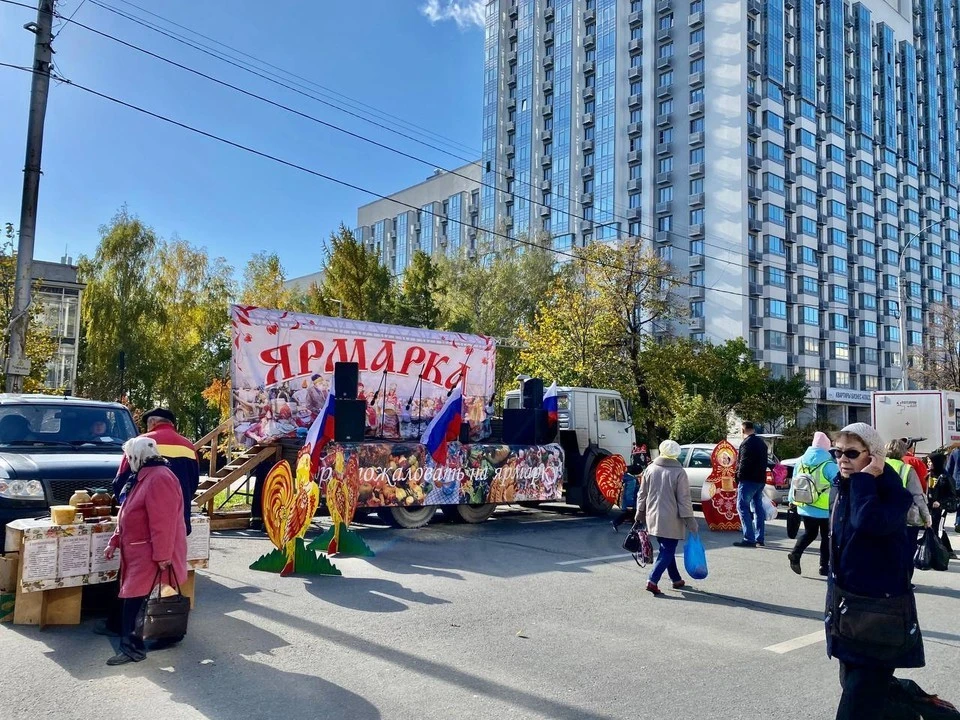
(41, 345)
(417, 303)
(263, 283)
(354, 282)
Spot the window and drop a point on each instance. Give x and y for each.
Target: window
(665, 78)
(835, 153)
(809, 315)
(868, 302)
(840, 351)
(696, 36)
(836, 209)
(835, 181)
(665, 50)
(665, 194)
(666, 21)
(696, 95)
(840, 379)
(775, 309)
(838, 293)
(807, 226)
(812, 375)
(773, 121)
(774, 214)
(697, 66)
(869, 356)
(869, 382)
(775, 276)
(807, 139)
(610, 409)
(665, 165)
(665, 223)
(807, 168)
(700, 459)
(811, 346)
(776, 340)
(868, 328)
(838, 237)
(696, 155)
(696, 217)
(891, 333)
(696, 278)
(839, 322)
(697, 125)
(774, 183)
(774, 245)
(696, 309)
(772, 151)
(665, 136)
(838, 265)
(665, 107)
(696, 186)
(808, 256)
(809, 286)
(806, 196)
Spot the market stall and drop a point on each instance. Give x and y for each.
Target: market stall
(52, 564)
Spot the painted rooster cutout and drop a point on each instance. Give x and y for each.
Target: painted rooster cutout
(342, 493)
(289, 505)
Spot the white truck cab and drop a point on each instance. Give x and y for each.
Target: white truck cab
(599, 417)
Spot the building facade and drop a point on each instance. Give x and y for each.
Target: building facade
(439, 216)
(780, 153)
(57, 288)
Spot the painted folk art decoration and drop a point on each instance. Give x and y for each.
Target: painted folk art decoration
(610, 471)
(342, 492)
(289, 504)
(719, 495)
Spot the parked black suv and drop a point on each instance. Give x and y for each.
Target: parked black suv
(52, 446)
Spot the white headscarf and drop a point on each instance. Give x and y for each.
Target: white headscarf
(670, 449)
(140, 449)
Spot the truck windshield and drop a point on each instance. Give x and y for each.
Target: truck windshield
(78, 426)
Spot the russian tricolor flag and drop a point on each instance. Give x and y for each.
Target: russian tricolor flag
(321, 431)
(445, 427)
(552, 406)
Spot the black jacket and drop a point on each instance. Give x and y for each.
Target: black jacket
(752, 460)
(943, 492)
(871, 550)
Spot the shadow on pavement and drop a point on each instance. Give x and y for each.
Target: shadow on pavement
(239, 683)
(941, 591)
(709, 598)
(368, 594)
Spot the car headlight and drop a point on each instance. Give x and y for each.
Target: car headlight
(21, 489)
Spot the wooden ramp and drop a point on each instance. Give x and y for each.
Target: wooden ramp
(242, 463)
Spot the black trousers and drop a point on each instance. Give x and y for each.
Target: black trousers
(811, 528)
(866, 692)
(131, 644)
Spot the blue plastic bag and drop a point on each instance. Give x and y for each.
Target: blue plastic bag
(695, 557)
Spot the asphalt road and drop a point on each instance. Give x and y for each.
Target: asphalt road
(534, 614)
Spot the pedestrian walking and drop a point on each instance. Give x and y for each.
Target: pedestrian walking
(953, 470)
(665, 507)
(919, 515)
(151, 537)
(941, 496)
(869, 582)
(820, 466)
(752, 459)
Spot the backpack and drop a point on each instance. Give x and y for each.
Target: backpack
(804, 488)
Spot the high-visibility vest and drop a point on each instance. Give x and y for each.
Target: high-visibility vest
(902, 468)
(823, 499)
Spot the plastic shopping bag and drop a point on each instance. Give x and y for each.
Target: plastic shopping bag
(695, 557)
(769, 508)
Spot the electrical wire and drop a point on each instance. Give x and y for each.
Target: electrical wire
(533, 188)
(672, 280)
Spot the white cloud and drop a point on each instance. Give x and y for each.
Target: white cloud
(465, 13)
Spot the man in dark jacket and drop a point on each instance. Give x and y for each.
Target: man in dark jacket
(751, 479)
(176, 449)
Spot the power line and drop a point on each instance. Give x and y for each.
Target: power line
(69, 19)
(353, 186)
(531, 199)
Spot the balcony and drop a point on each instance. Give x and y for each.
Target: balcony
(590, 40)
(548, 12)
(696, 199)
(586, 198)
(547, 160)
(635, 19)
(695, 49)
(663, 207)
(665, 33)
(697, 169)
(696, 108)
(696, 260)
(634, 129)
(548, 86)
(695, 19)
(754, 7)
(548, 37)
(586, 171)
(510, 126)
(696, 230)
(589, 66)
(589, 16)
(754, 68)
(587, 145)
(754, 193)
(754, 99)
(635, 72)
(634, 185)
(664, 148)
(635, 101)
(697, 292)
(509, 150)
(587, 119)
(754, 162)
(664, 119)
(589, 93)
(548, 61)
(544, 185)
(696, 138)
(696, 78)
(544, 211)
(662, 91)
(755, 225)
(664, 178)
(753, 37)
(547, 109)
(546, 135)
(634, 157)
(661, 236)
(513, 11)
(753, 130)
(636, 45)
(664, 62)
(664, 5)
(790, 59)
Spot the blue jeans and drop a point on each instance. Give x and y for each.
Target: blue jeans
(750, 504)
(666, 561)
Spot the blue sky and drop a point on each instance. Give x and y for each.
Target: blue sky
(419, 61)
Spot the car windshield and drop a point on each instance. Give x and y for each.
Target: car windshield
(36, 424)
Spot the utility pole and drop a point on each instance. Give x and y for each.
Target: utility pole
(18, 365)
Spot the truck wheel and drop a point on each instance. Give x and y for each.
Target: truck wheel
(474, 514)
(400, 517)
(594, 503)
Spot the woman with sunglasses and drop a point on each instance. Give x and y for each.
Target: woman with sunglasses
(871, 558)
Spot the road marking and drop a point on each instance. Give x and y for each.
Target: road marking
(797, 643)
(583, 561)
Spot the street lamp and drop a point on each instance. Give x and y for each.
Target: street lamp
(339, 306)
(902, 291)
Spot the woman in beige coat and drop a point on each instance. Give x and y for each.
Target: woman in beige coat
(664, 505)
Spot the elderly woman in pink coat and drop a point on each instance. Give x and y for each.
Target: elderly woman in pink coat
(151, 537)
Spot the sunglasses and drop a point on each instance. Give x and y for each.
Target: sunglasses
(850, 454)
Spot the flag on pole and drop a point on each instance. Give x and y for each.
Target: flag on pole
(445, 427)
(321, 431)
(551, 403)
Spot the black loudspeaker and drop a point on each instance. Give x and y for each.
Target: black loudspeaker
(524, 426)
(533, 394)
(346, 376)
(349, 420)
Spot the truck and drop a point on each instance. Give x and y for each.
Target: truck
(930, 416)
(284, 365)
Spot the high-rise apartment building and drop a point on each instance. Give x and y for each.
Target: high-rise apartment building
(439, 216)
(780, 153)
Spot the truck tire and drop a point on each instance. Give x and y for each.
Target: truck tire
(401, 517)
(475, 514)
(594, 503)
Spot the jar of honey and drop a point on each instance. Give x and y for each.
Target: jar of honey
(102, 498)
(80, 497)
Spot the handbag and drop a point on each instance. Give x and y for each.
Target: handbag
(695, 557)
(793, 522)
(931, 554)
(880, 628)
(638, 544)
(164, 618)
